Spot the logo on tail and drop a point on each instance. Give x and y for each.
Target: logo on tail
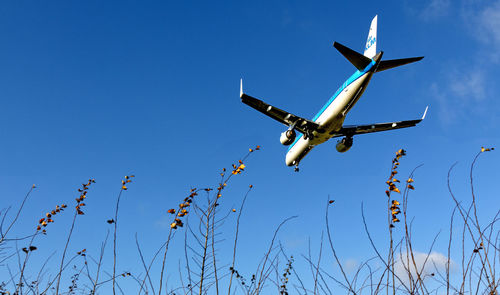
(371, 40)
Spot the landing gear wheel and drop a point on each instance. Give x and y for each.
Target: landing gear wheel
(296, 168)
(308, 135)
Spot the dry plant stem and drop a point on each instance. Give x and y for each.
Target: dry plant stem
(205, 245)
(386, 264)
(87, 270)
(491, 284)
(294, 272)
(320, 274)
(188, 268)
(148, 269)
(272, 264)
(164, 260)
(180, 278)
(59, 274)
(390, 258)
(7, 258)
(317, 266)
(485, 262)
(3, 235)
(137, 280)
(406, 266)
(328, 275)
(23, 267)
(333, 249)
(276, 281)
(466, 227)
(266, 257)
(408, 238)
(12, 278)
(206, 235)
(479, 280)
(111, 279)
(324, 287)
(114, 238)
(212, 234)
(144, 265)
(236, 240)
(309, 258)
(419, 272)
(369, 277)
(490, 241)
(99, 264)
(495, 250)
(448, 260)
(460, 210)
(39, 276)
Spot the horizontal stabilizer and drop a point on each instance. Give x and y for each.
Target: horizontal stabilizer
(357, 59)
(392, 63)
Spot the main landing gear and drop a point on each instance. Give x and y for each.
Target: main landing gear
(308, 134)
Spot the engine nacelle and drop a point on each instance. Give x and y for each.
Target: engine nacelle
(344, 144)
(287, 137)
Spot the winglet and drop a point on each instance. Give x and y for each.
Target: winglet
(425, 112)
(241, 88)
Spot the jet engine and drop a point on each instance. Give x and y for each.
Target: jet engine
(344, 144)
(287, 137)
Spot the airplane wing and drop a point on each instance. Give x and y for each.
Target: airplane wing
(350, 130)
(300, 124)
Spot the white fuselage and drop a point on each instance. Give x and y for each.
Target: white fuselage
(332, 115)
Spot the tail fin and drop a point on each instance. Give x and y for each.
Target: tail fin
(361, 61)
(371, 42)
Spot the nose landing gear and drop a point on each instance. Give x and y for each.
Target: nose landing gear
(296, 168)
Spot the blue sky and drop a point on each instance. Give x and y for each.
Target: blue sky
(102, 90)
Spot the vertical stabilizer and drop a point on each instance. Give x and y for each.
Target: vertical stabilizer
(371, 42)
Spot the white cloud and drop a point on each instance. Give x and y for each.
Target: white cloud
(351, 265)
(465, 88)
(489, 23)
(469, 84)
(460, 93)
(447, 113)
(482, 20)
(435, 9)
(163, 222)
(426, 263)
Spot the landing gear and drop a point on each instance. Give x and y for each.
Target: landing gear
(308, 135)
(296, 168)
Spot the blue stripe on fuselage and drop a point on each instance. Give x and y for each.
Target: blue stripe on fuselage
(348, 82)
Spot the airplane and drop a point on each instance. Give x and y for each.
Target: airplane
(328, 122)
